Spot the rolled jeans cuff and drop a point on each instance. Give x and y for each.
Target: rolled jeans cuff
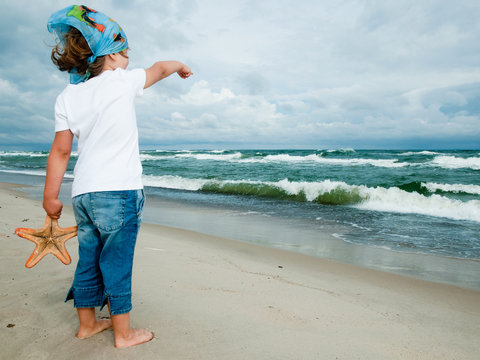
(95, 296)
(87, 297)
(119, 304)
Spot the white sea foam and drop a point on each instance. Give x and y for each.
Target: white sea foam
(455, 188)
(291, 158)
(397, 200)
(388, 163)
(341, 150)
(311, 189)
(425, 152)
(453, 162)
(33, 172)
(211, 156)
(173, 182)
(147, 157)
(31, 153)
(172, 151)
(23, 153)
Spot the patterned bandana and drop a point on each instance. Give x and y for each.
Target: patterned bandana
(103, 35)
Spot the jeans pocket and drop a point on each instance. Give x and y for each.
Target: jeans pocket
(108, 209)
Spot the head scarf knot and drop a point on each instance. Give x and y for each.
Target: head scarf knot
(103, 35)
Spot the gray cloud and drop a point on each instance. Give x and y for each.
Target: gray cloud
(270, 73)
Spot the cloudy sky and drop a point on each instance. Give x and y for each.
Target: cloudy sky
(269, 74)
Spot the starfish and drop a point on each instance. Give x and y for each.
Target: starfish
(49, 239)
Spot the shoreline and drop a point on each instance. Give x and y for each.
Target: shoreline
(171, 209)
(208, 297)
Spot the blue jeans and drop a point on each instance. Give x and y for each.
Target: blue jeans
(108, 224)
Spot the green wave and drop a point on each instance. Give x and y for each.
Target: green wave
(337, 196)
(340, 196)
(419, 187)
(415, 186)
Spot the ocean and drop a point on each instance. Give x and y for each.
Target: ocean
(420, 208)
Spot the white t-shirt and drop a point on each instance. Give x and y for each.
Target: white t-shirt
(101, 114)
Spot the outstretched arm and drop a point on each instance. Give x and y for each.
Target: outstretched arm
(162, 69)
(56, 166)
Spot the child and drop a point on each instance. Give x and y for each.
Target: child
(107, 191)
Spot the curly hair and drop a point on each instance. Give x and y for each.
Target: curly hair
(72, 55)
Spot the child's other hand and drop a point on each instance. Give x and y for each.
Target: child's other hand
(53, 208)
(185, 72)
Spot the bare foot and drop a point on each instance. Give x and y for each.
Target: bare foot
(134, 337)
(99, 326)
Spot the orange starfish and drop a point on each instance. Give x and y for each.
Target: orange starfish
(49, 239)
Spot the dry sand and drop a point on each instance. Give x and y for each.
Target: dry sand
(212, 298)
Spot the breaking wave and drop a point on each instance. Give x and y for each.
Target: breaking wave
(425, 152)
(25, 153)
(217, 155)
(453, 162)
(454, 188)
(328, 192)
(389, 163)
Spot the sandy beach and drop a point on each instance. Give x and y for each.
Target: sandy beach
(207, 297)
